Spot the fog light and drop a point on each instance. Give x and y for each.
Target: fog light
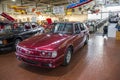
(50, 65)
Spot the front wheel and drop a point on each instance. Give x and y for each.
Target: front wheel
(86, 41)
(68, 56)
(17, 41)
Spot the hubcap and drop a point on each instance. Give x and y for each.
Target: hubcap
(68, 57)
(17, 41)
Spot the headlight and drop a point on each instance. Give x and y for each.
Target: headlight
(48, 54)
(1, 42)
(54, 54)
(4, 42)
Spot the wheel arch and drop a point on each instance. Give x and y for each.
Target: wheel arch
(71, 47)
(18, 38)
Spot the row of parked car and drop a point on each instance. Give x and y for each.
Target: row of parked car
(47, 49)
(94, 25)
(13, 33)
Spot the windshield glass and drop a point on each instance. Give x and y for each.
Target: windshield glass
(64, 28)
(19, 27)
(10, 28)
(5, 28)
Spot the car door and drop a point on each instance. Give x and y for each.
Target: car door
(77, 36)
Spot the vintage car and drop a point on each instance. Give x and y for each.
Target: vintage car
(11, 35)
(52, 49)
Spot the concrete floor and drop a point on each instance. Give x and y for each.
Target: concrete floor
(100, 60)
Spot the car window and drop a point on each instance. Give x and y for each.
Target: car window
(27, 26)
(64, 28)
(85, 26)
(6, 28)
(20, 27)
(34, 25)
(77, 29)
(82, 27)
(68, 28)
(58, 28)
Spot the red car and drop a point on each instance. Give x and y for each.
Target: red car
(52, 49)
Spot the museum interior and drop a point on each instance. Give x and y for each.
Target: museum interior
(59, 39)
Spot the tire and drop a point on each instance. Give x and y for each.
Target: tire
(17, 41)
(86, 41)
(67, 57)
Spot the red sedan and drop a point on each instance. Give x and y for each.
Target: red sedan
(52, 49)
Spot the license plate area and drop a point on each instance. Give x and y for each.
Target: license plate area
(30, 61)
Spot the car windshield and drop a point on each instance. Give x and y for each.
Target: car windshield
(10, 28)
(19, 27)
(63, 28)
(5, 28)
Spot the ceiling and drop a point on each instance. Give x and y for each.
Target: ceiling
(45, 2)
(36, 2)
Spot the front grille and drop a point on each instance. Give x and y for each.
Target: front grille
(30, 61)
(27, 51)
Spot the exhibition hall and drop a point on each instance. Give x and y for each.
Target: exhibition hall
(59, 39)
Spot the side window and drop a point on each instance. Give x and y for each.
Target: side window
(77, 29)
(34, 25)
(68, 28)
(82, 27)
(27, 27)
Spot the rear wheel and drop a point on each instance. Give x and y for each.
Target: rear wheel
(86, 41)
(68, 56)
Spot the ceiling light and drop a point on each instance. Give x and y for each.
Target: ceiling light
(13, 0)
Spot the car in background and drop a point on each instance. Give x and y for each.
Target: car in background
(91, 24)
(11, 35)
(114, 19)
(52, 49)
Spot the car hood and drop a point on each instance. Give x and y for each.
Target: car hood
(44, 41)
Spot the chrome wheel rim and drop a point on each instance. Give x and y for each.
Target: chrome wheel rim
(17, 42)
(68, 57)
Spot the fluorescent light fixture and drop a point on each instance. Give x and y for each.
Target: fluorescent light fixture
(13, 0)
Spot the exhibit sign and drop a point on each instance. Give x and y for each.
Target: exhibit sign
(58, 10)
(112, 2)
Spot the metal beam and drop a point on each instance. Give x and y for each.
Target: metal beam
(60, 2)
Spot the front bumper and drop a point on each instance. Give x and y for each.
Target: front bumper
(5, 47)
(40, 62)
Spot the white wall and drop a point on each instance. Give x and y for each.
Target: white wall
(105, 12)
(79, 17)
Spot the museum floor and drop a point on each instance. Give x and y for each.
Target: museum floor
(99, 60)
